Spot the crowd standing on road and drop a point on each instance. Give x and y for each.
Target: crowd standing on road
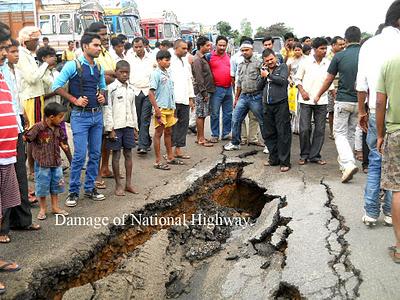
(109, 97)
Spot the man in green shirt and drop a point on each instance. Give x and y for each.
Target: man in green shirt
(389, 147)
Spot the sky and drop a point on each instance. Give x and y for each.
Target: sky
(307, 17)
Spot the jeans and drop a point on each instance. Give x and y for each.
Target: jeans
(344, 128)
(372, 204)
(221, 98)
(252, 136)
(245, 104)
(278, 133)
(311, 150)
(87, 130)
(180, 129)
(143, 111)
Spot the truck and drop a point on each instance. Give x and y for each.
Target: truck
(159, 29)
(17, 14)
(122, 18)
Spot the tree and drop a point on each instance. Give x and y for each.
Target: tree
(224, 28)
(245, 28)
(277, 29)
(260, 32)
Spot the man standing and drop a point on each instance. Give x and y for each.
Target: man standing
(203, 87)
(117, 52)
(309, 79)
(288, 50)
(85, 79)
(274, 83)
(142, 65)
(370, 63)
(268, 43)
(69, 53)
(247, 96)
(220, 68)
(181, 75)
(346, 112)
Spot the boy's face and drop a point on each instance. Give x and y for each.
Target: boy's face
(122, 74)
(49, 56)
(56, 120)
(119, 49)
(164, 63)
(13, 55)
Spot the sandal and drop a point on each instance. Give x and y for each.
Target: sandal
(61, 212)
(182, 156)
(41, 216)
(161, 166)
(206, 144)
(394, 253)
(302, 161)
(3, 267)
(4, 239)
(101, 185)
(320, 162)
(213, 140)
(175, 161)
(285, 168)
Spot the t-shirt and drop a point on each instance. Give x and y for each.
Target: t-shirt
(388, 84)
(346, 64)
(161, 82)
(68, 55)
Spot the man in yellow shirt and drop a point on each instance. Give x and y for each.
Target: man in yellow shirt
(288, 51)
(69, 53)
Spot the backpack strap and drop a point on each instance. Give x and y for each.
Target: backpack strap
(79, 73)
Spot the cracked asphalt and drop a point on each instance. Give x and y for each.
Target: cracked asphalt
(330, 254)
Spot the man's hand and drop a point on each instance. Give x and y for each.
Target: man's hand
(264, 73)
(316, 99)
(82, 101)
(235, 102)
(112, 135)
(157, 113)
(101, 99)
(206, 99)
(363, 122)
(135, 134)
(379, 145)
(64, 146)
(305, 95)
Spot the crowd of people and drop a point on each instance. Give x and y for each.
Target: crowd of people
(111, 91)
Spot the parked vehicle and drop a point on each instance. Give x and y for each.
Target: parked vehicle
(278, 44)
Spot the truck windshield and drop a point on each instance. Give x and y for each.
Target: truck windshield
(130, 25)
(86, 20)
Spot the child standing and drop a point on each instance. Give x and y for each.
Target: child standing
(120, 122)
(46, 138)
(161, 96)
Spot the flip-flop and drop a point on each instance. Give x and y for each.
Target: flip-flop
(61, 212)
(320, 162)
(3, 268)
(101, 185)
(161, 166)
(176, 162)
(41, 216)
(284, 169)
(302, 162)
(6, 239)
(182, 156)
(206, 144)
(393, 250)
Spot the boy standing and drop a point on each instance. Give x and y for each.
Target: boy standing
(46, 138)
(120, 120)
(161, 96)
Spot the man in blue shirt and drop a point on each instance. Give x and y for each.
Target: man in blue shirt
(86, 87)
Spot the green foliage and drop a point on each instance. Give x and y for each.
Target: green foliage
(278, 29)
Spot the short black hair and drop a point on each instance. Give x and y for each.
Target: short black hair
(190, 45)
(380, 28)
(221, 38)
(5, 33)
(122, 64)
(329, 39)
(87, 38)
(70, 42)
(53, 109)
(318, 42)
(123, 37)
(393, 14)
(14, 43)
(163, 54)
(45, 51)
(127, 46)
(157, 44)
(95, 27)
(304, 38)
(353, 34)
(268, 38)
(45, 39)
(178, 42)
(246, 39)
(306, 48)
(166, 43)
(288, 35)
(268, 52)
(115, 41)
(137, 40)
(336, 39)
(201, 41)
(298, 45)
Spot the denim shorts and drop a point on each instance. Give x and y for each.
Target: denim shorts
(48, 181)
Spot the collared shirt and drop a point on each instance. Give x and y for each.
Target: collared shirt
(11, 81)
(294, 64)
(345, 63)
(161, 82)
(31, 75)
(105, 60)
(248, 74)
(373, 55)
(115, 56)
(141, 69)
(48, 79)
(221, 69)
(236, 59)
(120, 111)
(181, 75)
(285, 53)
(69, 71)
(68, 55)
(46, 144)
(203, 79)
(311, 76)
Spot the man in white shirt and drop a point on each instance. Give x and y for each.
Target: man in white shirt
(309, 79)
(373, 54)
(117, 51)
(181, 75)
(142, 65)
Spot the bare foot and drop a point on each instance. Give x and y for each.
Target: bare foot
(130, 189)
(119, 191)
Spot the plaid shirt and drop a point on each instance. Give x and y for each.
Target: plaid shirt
(46, 144)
